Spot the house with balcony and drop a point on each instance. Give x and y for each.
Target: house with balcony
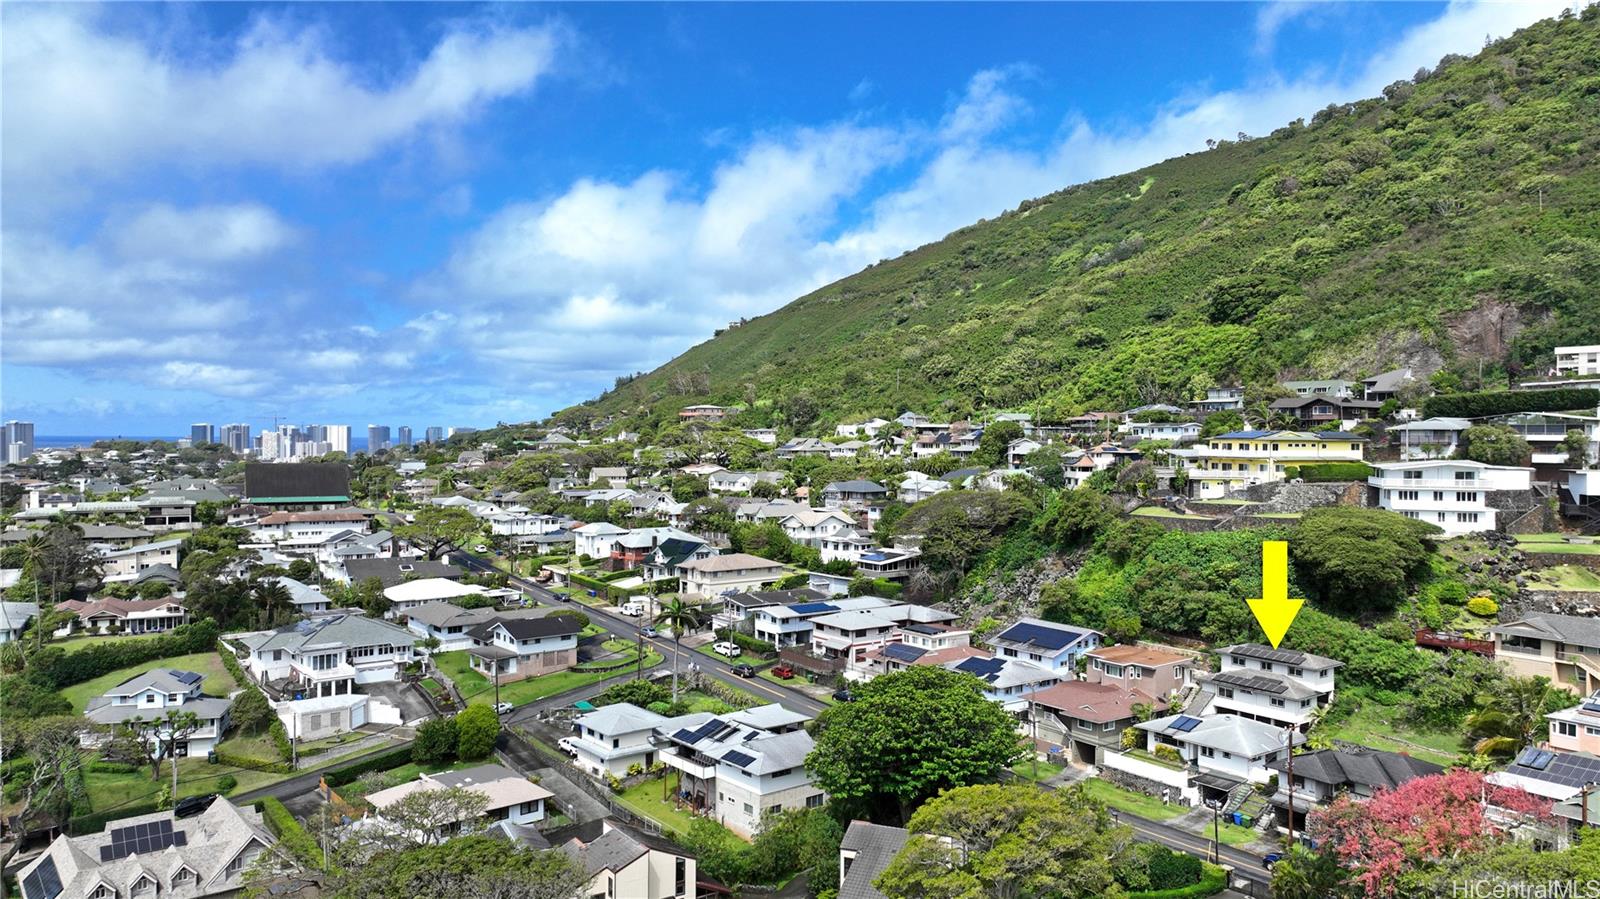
(1386, 385)
(1009, 682)
(1219, 752)
(1331, 387)
(790, 624)
(1179, 433)
(310, 528)
(846, 544)
(326, 656)
(509, 649)
(1242, 459)
(615, 737)
(1323, 775)
(1047, 644)
(1554, 774)
(1314, 411)
(121, 616)
(730, 573)
(854, 495)
(1578, 361)
(851, 635)
(916, 487)
(1545, 431)
(706, 412)
(810, 527)
(1148, 669)
(742, 765)
(508, 796)
(736, 608)
(1280, 687)
(1220, 399)
(920, 643)
(741, 482)
(1576, 729)
(149, 696)
(450, 624)
(1084, 720)
(1458, 496)
(1563, 648)
(662, 563)
(124, 564)
(889, 564)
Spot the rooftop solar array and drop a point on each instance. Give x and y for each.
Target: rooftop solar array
(735, 757)
(186, 677)
(920, 628)
(1184, 724)
(44, 882)
(1537, 759)
(1257, 651)
(1039, 635)
(812, 608)
(903, 653)
(1251, 682)
(1565, 768)
(151, 836)
(700, 733)
(988, 669)
(1591, 707)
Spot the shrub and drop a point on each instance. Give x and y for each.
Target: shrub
(476, 730)
(102, 766)
(1169, 870)
(581, 618)
(1483, 607)
(394, 758)
(748, 643)
(235, 760)
(435, 742)
(635, 769)
(1211, 882)
(1506, 402)
(291, 835)
(1167, 753)
(227, 783)
(54, 668)
(280, 739)
(1334, 471)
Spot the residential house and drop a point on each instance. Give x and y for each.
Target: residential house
(614, 738)
(511, 649)
(124, 564)
(1552, 774)
(742, 765)
(450, 624)
(159, 854)
(309, 528)
(854, 495)
(149, 696)
(1220, 399)
(595, 538)
(1157, 672)
(1084, 719)
(730, 573)
(767, 510)
(607, 497)
(408, 595)
(121, 616)
(1576, 729)
(111, 535)
(663, 561)
(632, 549)
(849, 449)
(1241, 459)
(1545, 431)
(811, 527)
(1323, 775)
(1178, 432)
(1563, 648)
(326, 656)
(1578, 361)
(307, 600)
(846, 544)
(1047, 644)
(767, 436)
(920, 643)
(868, 428)
(1152, 412)
(1226, 751)
(1280, 687)
(1333, 387)
(610, 476)
(790, 624)
(1384, 385)
(1454, 495)
(14, 618)
(1009, 682)
(624, 863)
(741, 482)
(867, 849)
(705, 412)
(802, 446)
(739, 607)
(392, 570)
(1429, 438)
(917, 487)
(1315, 411)
(1018, 451)
(508, 795)
(889, 564)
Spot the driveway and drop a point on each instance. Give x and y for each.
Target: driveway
(404, 697)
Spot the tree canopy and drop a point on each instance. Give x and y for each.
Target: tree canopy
(1360, 560)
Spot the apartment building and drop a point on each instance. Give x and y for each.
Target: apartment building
(1452, 494)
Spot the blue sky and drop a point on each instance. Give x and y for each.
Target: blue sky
(455, 214)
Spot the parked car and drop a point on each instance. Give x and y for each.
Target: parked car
(745, 670)
(503, 708)
(649, 630)
(843, 696)
(783, 671)
(726, 648)
(569, 746)
(1270, 859)
(481, 548)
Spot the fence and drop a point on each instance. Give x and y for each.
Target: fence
(570, 771)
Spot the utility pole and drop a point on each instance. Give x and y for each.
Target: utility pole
(497, 685)
(1290, 740)
(1216, 832)
(1033, 717)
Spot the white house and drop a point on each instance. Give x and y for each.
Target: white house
(791, 624)
(846, 544)
(1429, 438)
(742, 765)
(408, 595)
(1235, 749)
(1009, 681)
(733, 572)
(1047, 644)
(1280, 687)
(450, 624)
(868, 428)
(889, 564)
(812, 526)
(1179, 432)
(593, 539)
(125, 564)
(741, 481)
(307, 600)
(615, 737)
(150, 695)
(622, 862)
(308, 528)
(1578, 360)
(14, 618)
(1017, 451)
(1449, 493)
(508, 795)
(513, 648)
(327, 656)
(916, 487)
(128, 616)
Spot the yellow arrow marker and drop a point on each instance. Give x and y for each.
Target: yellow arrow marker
(1275, 611)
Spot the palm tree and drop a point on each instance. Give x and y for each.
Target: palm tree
(271, 595)
(680, 616)
(1510, 713)
(34, 551)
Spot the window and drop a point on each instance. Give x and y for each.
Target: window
(1467, 496)
(680, 876)
(1297, 672)
(1566, 729)
(525, 808)
(1109, 725)
(1412, 475)
(144, 886)
(1265, 666)
(1441, 517)
(611, 887)
(1438, 496)
(1591, 731)
(748, 809)
(1277, 703)
(1225, 692)
(183, 876)
(814, 801)
(1467, 517)
(1466, 476)
(774, 809)
(1136, 673)
(1208, 752)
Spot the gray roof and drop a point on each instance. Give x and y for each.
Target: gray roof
(166, 680)
(206, 708)
(158, 546)
(334, 630)
(875, 846)
(1265, 682)
(301, 594)
(854, 487)
(159, 571)
(17, 614)
(392, 571)
(1389, 380)
(768, 717)
(1362, 767)
(1566, 628)
(1283, 656)
(776, 752)
(441, 614)
(1230, 733)
(620, 718)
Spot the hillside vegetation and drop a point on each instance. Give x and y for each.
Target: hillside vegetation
(1455, 219)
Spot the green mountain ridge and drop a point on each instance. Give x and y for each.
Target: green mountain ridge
(1453, 222)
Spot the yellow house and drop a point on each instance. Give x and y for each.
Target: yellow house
(1241, 458)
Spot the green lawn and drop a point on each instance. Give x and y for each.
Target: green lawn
(475, 687)
(1128, 801)
(1571, 577)
(1232, 834)
(1047, 770)
(1160, 512)
(73, 644)
(108, 791)
(1377, 726)
(406, 773)
(218, 681)
(645, 799)
(591, 630)
(743, 657)
(1555, 543)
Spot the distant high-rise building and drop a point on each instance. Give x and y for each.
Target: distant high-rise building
(404, 438)
(435, 435)
(377, 438)
(338, 437)
(268, 445)
(316, 433)
(236, 437)
(202, 434)
(18, 443)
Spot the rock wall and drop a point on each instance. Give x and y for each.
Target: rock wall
(1559, 602)
(1284, 496)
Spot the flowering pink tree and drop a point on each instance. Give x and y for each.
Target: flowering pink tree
(1442, 816)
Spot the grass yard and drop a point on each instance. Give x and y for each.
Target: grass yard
(406, 773)
(1555, 543)
(1159, 512)
(591, 630)
(218, 682)
(1128, 801)
(475, 687)
(1047, 770)
(73, 644)
(1376, 725)
(1231, 834)
(645, 799)
(1571, 577)
(110, 790)
(742, 658)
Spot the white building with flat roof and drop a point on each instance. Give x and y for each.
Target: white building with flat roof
(1452, 494)
(1578, 360)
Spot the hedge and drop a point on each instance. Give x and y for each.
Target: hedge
(394, 758)
(1328, 471)
(600, 587)
(748, 643)
(55, 668)
(291, 835)
(231, 663)
(1213, 881)
(94, 822)
(1506, 402)
(280, 739)
(235, 760)
(619, 575)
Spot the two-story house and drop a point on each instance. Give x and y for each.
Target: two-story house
(846, 544)
(150, 695)
(790, 624)
(1148, 669)
(1332, 388)
(620, 861)
(1576, 729)
(1320, 411)
(663, 561)
(736, 608)
(1008, 681)
(612, 738)
(1241, 459)
(1047, 644)
(889, 564)
(508, 796)
(1280, 687)
(1230, 749)
(327, 656)
(1428, 438)
(288, 529)
(811, 527)
(511, 649)
(916, 487)
(125, 564)
(856, 494)
(1084, 719)
(1563, 648)
(1323, 775)
(1452, 494)
(450, 624)
(409, 595)
(921, 643)
(729, 573)
(740, 766)
(1220, 399)
(741, 482)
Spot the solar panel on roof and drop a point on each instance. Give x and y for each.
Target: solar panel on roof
(1285, 656)
(44, 882)
(187, 677)
(736, 757)
(981, 667)
(1184, 724)
(1039, 635)
(809, 608)
(902, 652)
(1591, 707)
(1251, 682)
(1537, 759)
(1571, 770)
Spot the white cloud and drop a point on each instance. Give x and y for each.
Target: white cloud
(83, 101)
(986, 107)
(202, 234)
(1272, 16)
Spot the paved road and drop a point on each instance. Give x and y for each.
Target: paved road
(308, 780)
(626, 627)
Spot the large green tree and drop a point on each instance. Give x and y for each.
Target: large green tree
(1495, 445)
(907, 736)
(1360, 560)
(1006, 842)
(439, 528)
(477, 726)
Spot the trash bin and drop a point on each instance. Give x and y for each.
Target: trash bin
(1237, 818)
(211, 757)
